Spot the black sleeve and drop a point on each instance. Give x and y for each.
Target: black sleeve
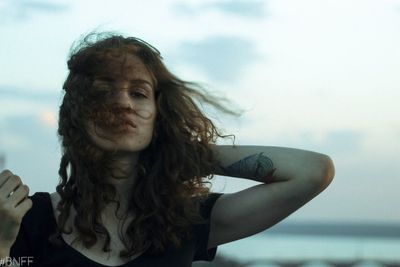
(27, 245)
(203, 230)
(21, 251)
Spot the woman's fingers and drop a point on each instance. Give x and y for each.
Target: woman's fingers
(24, 206)
(14, 204)
(10, 183)
(19, 194)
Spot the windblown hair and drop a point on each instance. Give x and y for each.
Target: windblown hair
(172, 171)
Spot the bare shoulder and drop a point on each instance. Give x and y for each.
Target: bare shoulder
(55, 198)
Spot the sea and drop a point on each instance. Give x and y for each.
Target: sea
(318, 244)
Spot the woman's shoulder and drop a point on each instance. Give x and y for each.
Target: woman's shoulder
(40, 197)
(41, 213)
(40, 202)
(36, 227)
(207, 202)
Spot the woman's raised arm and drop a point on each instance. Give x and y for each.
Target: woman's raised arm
(291, 177)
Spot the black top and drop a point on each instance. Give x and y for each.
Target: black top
(33, 249)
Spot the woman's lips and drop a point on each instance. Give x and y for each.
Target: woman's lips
(128, 126)
(128, 119)
(132, 124)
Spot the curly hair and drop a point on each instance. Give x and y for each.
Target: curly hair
(172, 171)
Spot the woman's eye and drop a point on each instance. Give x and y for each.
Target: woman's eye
(102, 86)
(138, 94)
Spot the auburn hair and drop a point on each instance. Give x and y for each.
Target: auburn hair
(173, 170)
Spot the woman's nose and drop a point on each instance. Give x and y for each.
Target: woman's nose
(122, 97)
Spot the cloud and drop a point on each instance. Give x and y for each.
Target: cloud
(345, 140)
(242, 8)
(221, 58)
(337, 141)
(13, 92)
(248, 9)
(23, 10)
(43, 6)
(48, 118)
(28, 131)
(30, 150)
(345, 144)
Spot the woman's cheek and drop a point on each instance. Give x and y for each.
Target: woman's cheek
(144, 114)
(147, 112)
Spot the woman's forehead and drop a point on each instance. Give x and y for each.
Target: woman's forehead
(123, 66)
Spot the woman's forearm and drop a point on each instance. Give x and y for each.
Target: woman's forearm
(270, 163)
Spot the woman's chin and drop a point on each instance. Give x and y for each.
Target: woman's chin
(124, 148)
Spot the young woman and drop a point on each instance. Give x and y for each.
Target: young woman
(137, 153)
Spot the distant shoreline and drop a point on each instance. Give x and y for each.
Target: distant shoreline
(336, 229)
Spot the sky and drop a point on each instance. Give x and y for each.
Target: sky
(314, 75)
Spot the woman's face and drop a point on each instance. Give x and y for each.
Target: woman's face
(131, 95)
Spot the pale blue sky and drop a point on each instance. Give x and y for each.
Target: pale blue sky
(315, 75)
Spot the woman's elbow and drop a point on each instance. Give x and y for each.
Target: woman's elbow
(325, 177)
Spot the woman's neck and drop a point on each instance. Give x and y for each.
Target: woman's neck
(123, 177)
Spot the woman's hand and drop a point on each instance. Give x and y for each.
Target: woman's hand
(14, 204)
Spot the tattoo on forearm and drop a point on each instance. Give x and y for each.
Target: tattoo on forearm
(257, 167)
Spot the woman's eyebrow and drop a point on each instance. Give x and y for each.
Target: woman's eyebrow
(141, 81)
(104, 78)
